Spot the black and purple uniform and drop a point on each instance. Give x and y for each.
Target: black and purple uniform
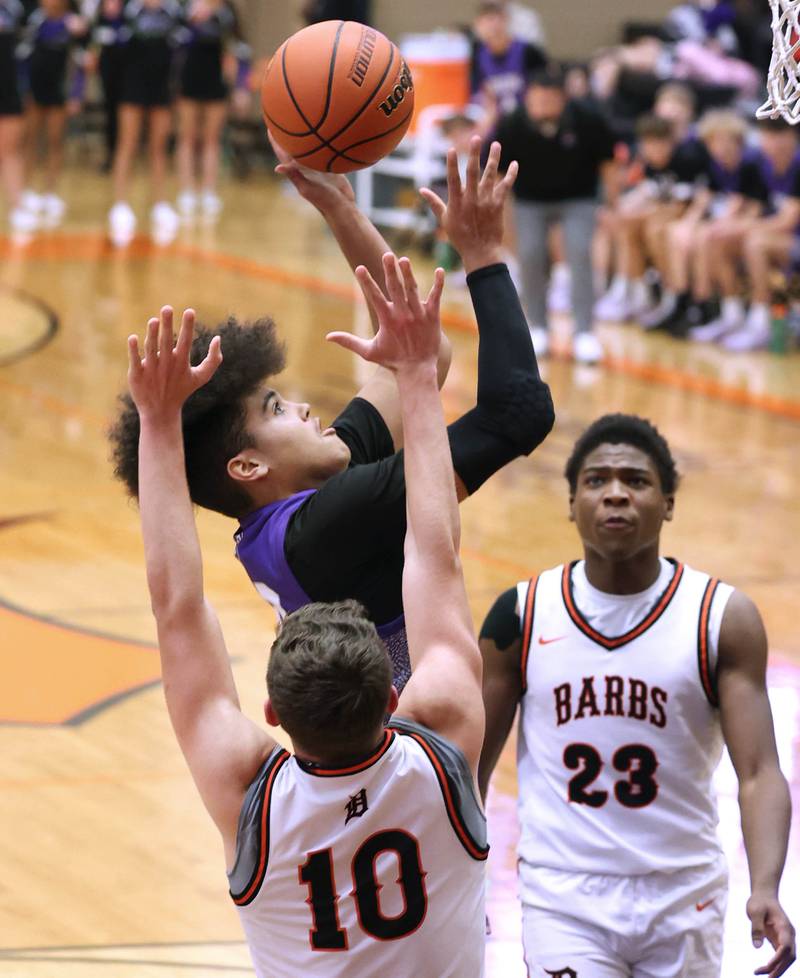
(744, 179)
(110, 33)
(12, 14)
(779, 186)
(50, 44)
(204, 42)
(149, 53)
(345, 539)
(505, 75)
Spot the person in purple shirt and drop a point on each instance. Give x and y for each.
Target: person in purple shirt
(55, 90)
(321, 509)
(501, 64)
(762, 242)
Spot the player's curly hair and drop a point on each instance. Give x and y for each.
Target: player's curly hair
(213, 417)
(624, 429)
(329, 678)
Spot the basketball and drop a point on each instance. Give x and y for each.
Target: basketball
(337, 96)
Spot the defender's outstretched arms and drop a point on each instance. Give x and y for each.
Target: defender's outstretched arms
(444, 692)
(222, 747)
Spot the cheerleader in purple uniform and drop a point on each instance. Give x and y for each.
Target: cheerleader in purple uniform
(51, 50)
(211, 30)
(20, 218)
(153, 28)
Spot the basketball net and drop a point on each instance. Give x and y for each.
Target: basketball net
(783, 79)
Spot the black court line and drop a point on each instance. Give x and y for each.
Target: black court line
(52, 327)
(80, 629)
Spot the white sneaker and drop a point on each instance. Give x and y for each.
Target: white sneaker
(558, 294)
(211, 205)
(751, 336)
(53, 209)
(586, 348)
(29, 200)
(164, 223)
(23, 221)
(612, 307)
(187, 205)
(716, 330)
(121, 224)
(540, 339)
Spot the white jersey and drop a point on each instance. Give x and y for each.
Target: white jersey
(375, 869)
(619, 732)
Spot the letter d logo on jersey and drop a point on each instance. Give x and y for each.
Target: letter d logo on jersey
(564, 973)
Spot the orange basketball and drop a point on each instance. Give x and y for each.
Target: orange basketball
(337, 96)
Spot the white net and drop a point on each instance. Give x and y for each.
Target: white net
(783, 80)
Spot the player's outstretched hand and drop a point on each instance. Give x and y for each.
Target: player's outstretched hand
(162, 380)
(409, 332)
(323, 190)
(769, 920)
(473, 215)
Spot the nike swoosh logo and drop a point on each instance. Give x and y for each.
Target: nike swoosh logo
(702, 906)
(547, 641)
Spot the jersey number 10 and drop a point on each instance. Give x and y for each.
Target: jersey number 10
(317, 873)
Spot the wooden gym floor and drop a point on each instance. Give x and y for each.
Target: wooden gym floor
(110, 866)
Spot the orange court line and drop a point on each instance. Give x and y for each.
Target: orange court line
(94, 246)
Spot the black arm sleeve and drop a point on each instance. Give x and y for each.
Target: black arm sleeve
(501, 624)
(514, 412)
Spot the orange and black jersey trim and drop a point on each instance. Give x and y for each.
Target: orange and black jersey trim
(456, 783)
(355, 767)
(659, 607)
(253, 832)
(527, 630)
(708, 677)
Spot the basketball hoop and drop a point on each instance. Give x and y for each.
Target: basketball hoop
(783, 79)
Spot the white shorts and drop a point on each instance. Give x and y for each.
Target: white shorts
(662, 925)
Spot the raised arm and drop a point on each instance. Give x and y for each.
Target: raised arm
(444, 690)
(764, 799)
(222, 747)
(361, 244)
(514, 411)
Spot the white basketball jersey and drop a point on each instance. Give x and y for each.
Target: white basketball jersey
(376, 869)
(619, 736)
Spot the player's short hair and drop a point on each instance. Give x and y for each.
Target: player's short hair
(654, 127)
(624, 429)
(678, 92)
(213, 417)
(329, 678)
(552, 75)
(722, 121)
(775, 125)
(492, 7)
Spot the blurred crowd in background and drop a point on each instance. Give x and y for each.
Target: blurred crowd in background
(647, 191)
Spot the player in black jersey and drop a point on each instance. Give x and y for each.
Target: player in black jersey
(212, 30)
(147, 95)
(55, 87)
(322, 510)
(109, 35)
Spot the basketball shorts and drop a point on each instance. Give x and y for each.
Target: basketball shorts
(662, 925)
